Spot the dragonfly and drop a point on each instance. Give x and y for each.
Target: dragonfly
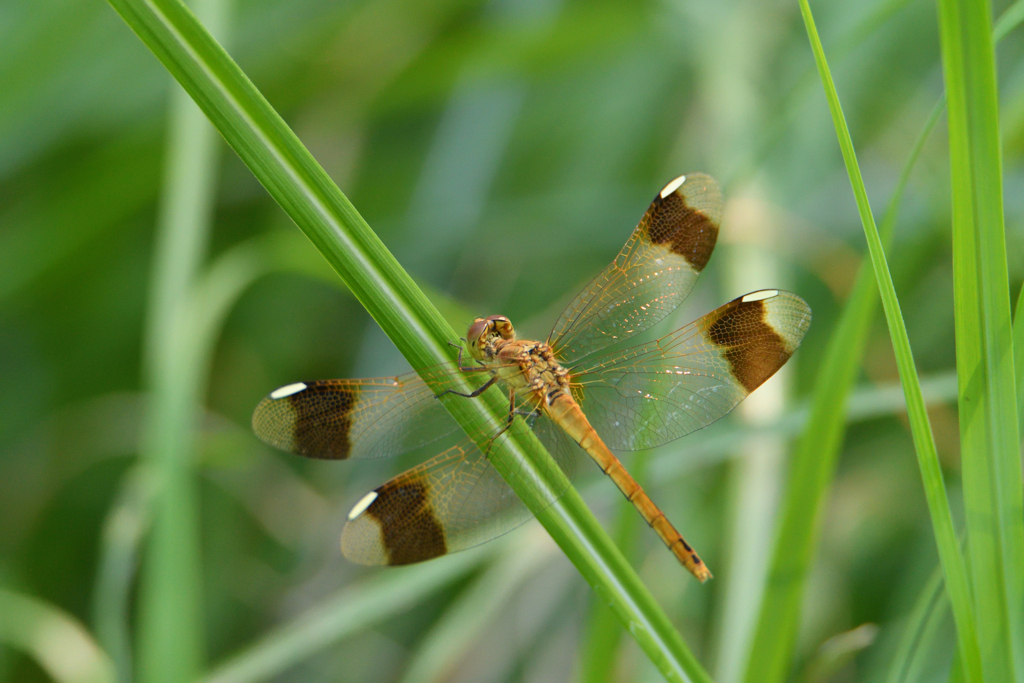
(578, 390)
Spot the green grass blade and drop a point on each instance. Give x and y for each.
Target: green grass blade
(836, 653)
(56, 641)
(353, 609)
(917, 643)
(954, 569)
(123, 531)
(811, 471)
(485, 603)
(170, 625)
(302, 188)
(213, 295)
(785, 112)
(1008, 20)
(956, 672)
(814, 461)
(603, 632)
(989, 437)
(1018, 352)
(931, 603)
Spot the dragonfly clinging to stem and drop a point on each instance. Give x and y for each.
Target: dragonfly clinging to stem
(574, 390)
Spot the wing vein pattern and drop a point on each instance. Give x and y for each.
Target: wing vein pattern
(651, 276)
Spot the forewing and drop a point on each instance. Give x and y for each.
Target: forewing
(451, 502)
(650, 394)
(651, 276)
(341, 419)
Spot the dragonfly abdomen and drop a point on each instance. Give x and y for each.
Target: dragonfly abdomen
(568, 415)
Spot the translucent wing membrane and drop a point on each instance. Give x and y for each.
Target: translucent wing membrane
(650, 394)
(637, 398)
(652, 274)
(340, 419)
(453, 501)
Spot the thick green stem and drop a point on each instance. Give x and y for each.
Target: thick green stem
(989, 438)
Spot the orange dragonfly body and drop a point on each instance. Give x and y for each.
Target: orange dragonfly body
(571, 390)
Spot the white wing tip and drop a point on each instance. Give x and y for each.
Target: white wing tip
(672, 186)
(760, 296)
(288, 390)
(360, 507)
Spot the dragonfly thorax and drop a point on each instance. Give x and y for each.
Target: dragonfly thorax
(526, 366)
(533, 367)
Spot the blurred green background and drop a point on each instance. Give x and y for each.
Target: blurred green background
(503, 151)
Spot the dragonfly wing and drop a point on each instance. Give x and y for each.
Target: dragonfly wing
(341, 419)
(656, 392)
(651, 276)
(454, 501)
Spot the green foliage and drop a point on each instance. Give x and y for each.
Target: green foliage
(924, 442)
(304, 190)
(815, 458)
(501, 151)
(989, 434)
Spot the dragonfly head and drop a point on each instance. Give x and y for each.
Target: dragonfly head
(484, 333)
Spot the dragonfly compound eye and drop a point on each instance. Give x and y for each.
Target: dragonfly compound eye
(502, 326)
(476, 331)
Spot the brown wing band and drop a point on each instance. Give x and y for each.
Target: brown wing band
(409, 529)
(685, 230)
(326, 438)
(754, 349)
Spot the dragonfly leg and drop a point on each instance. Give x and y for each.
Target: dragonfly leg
(512, 412)
(471, 368)
(531, 414)
(472, 394)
